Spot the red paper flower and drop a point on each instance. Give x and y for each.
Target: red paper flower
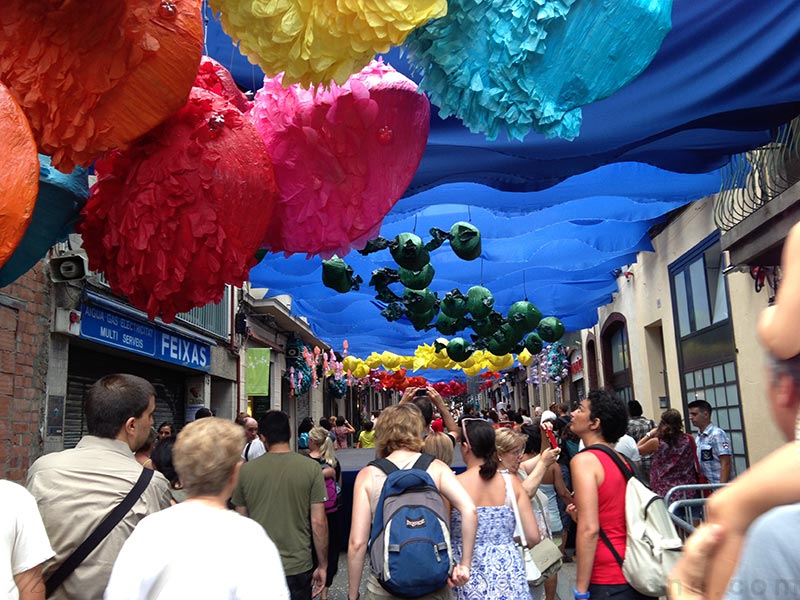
(343, 156)
(183, 211)
(95, 76)
(213, 77)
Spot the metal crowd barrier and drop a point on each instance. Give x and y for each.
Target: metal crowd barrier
(681, 509)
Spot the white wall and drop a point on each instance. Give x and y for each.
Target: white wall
(645, 300)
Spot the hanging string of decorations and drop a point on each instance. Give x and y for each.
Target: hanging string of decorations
(523, 328)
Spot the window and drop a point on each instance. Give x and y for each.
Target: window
(616, 357)
(701, 294)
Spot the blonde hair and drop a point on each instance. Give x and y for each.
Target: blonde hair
(508, 440)
(319, 435)
(206, 454)
(440, 445)
(399, 427)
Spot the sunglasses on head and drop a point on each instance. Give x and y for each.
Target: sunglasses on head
(464, 427)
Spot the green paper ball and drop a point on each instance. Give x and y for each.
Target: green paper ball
(416, 280)
(499, 346)
(409, 252)
(419, 301)
(465, 241)
(454, 304)
(447, 325)
(337, 275)
(458, 349)
(550, 329)
(484, 327)
(479, 301)
(524, 316)
(420, 320)
(510, 333)
(533, 343)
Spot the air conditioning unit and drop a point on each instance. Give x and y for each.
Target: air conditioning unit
(71, 266)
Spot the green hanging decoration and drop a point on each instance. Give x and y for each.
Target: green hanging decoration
(479, 301)
(416, 280)
(447, 325)
(533, 343)
(510, 333)
(487, 325)
(454, 304)
(419, 301)
(421, 320)
(459, 350)
(338, 275)
(375, 245)
(550, 329)
(393, 311)
(465, 239)
(524, 316)
(408, 251)
(438, 237)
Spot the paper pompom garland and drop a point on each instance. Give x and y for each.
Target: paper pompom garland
(93, 78)
(316, 42)
(19, 174)
(343, 156)
(183, 210)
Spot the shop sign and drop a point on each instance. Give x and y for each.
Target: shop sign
(576, 367)
(112, 329)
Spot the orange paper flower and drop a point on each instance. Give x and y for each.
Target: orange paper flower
(95, 77)
(19, 174)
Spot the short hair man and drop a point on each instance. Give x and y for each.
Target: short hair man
(713, 445)
(253, 447)
(285, 493)
(638, 427)
(426, 400)
(76, 489)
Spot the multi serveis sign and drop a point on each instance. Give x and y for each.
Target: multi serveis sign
(112, 329)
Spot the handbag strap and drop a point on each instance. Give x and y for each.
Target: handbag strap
(101, 531)
(545, 519)
(510, 492)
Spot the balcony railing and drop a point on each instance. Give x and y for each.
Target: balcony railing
(211, 318)
(751, 180)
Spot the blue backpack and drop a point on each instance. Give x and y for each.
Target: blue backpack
(302, 441)
(409, 544)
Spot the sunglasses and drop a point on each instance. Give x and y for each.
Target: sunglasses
(464, 427)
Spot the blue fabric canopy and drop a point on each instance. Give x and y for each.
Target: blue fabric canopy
(558, 217)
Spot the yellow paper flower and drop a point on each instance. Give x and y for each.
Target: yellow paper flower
(525, 358)
(319, 41)
(350, 363)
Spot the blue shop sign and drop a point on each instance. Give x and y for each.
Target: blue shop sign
(112, 329)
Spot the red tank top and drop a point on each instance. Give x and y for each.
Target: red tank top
(611, 511)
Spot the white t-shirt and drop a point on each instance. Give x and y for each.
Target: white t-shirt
(23, 539)
(192, 550)
(625, 445)
(253, 450)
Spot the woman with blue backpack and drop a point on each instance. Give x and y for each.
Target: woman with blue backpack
(399, 516)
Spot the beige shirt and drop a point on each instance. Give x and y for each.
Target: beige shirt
(75, 490)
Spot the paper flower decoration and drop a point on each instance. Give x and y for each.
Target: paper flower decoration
(316, 42)
(58, 204)
(183, 211)
(93, 78)
(523, 65)
(19, 174)
(342, 157)
(213, 77)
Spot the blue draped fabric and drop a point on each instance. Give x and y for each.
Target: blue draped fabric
(558, 217)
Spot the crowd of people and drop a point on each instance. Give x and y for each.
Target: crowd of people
(232, 510)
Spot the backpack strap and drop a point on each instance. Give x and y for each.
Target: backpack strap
(423, 462)
(627, 472)
(384, 464)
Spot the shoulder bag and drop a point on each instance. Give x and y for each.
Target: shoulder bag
(546, 554)
(98, 535)
(532, 572)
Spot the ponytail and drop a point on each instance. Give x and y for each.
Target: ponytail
(489, 467)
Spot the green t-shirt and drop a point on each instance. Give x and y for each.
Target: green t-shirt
(367, 439)
(278, 490)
